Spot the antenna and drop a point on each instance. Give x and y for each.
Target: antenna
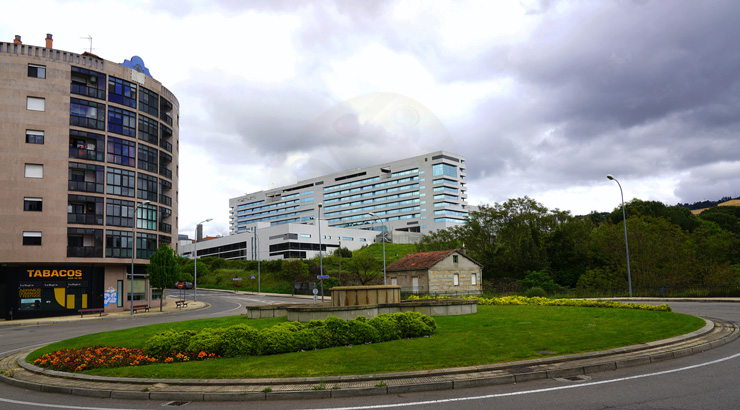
(89, 37)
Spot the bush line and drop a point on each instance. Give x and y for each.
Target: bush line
(541, 301)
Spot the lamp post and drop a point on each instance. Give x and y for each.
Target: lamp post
(626, 243)
(133, 253)
(382, 232)
(256, 250)
(321, 260)
(195, 265)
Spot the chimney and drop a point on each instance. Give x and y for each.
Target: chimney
(49, 40)
(17, 40)
(462, 250)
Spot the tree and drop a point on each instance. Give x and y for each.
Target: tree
(163, 270)
(294, 270)
(364, 267)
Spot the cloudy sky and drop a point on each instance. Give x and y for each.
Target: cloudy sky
(543, 98)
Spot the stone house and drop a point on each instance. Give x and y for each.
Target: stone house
(449, 272)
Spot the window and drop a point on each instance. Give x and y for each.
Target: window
(121, 152)
(146, 245)
(34, 171)
(120, 182)
(37, 71)
(148, 158)
(119, 212)
(148, 102)
(122, 92)
(84, 243)
(148, 129)
(34, 137)
(444, 169)
(146, 218)
(87, 114)
(35, 104)
(454, 258)
(474, 279)
(88, 83)
(86, 145)
(31, 238)
(118, 244)
(147, 187)
(33, 204)
(122, 122)
(85, 177)
(85, 210)
(456, 279)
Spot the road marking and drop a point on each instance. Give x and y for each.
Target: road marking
(549, 389)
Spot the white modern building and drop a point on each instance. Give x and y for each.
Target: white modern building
(284, 241)
(419, 194)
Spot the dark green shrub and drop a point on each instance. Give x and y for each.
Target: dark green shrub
(165, 342)
(535, 292)
(336, 332)
(307, 339)
(208, 340)
(411, 325)
(361, 332)
(276, 339)
(386, 326)
(240, 340)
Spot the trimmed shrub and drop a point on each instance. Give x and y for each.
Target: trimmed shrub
(386, 326)
(240, 340)
(166, 342)
(208, 340)
(361, 332)
(276, 339)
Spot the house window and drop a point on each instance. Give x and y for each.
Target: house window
(147, 186)
(35, 104)
(148, 158)
(32, 204)
(456, 279)
(34, 171)
(146, 218)
(34, 137)
(88, 114)
(454, 258)
(473, 279)
(119, 212)
(122, 92)
(32, 238)
(121, 182)
(88, 83)
(37, 71)
(122, 121)
(121, 151)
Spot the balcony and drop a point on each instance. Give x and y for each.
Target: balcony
(165, 200)
(88, 154)
(164, 227)
(85, 219)
(166, 145)
(85, 251)
(165, 172)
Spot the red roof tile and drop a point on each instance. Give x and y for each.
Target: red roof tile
(422, 260)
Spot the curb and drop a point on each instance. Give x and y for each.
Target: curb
(713, 334)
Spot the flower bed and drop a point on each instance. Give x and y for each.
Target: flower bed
(76, 360)
(539, 301)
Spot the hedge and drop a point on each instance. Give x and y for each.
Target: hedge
(244, 340)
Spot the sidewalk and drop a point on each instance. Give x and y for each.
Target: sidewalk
(168, 307)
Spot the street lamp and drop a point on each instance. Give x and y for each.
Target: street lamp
(626, 243)
(321, 261)
(383, 236)
(133, 252)
(256, 252)
(195, 265)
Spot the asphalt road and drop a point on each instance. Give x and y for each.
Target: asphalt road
(708, 380)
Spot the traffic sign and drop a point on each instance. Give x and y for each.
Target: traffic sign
(252, 277)
(237, 279)
(180, 285)
(322, 277)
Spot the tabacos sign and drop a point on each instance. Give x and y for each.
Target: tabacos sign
(55, 273)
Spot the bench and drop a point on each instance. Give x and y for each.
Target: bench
(181, 303)
(90, 310)
(145, 308)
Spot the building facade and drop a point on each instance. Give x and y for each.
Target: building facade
(449, 272)
(89, 154)
(417, 195)
(282, 241)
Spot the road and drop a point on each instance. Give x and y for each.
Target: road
(701, 381)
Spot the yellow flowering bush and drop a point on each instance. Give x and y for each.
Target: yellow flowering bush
(539, 301)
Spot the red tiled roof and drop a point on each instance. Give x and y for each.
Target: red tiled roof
(422, 260)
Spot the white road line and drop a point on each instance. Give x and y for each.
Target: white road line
(493, 396)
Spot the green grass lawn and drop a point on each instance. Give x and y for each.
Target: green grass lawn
(495, 334)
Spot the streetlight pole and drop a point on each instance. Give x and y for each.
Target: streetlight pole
(626, 243)
(256, 252)
(382, 233)
(195, 265)
(321, 260)
(133, 252)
